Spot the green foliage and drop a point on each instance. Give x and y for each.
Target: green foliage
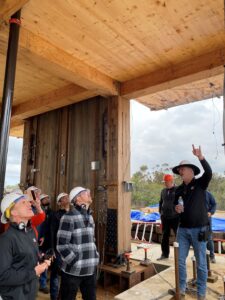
(217, 188)
(148, 186)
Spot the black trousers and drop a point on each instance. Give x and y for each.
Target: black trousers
(168, 224)
(70, 285)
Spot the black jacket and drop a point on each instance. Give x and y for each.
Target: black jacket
(18, 258)
(166, 203)
(194, 196)
(54, 224)
(44, 230)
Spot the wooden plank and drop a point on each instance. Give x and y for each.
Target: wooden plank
(61, 185)
(144, 35)
(29, 153)
(66, 66)
(46, 158)
(17, 131)
(49, 101)
(17, 128)
(9, 7)
(118, 167)
(199, 90)
(83, 125)
(208, 65)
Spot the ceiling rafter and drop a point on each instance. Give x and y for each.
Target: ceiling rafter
(66, 95)
(9, 7)
(57, 61)
(205, 66)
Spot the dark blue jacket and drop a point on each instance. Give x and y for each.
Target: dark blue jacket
(210, 203)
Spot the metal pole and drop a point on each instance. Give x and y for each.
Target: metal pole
(224, 109)
(194, 270)
(176, 254)
(224, 286)
(7, 98)
(208, 263)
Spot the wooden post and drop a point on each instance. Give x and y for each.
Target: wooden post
(118, 168)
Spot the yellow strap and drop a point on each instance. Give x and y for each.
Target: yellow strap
(8, 210)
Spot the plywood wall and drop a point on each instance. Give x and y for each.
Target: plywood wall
(60, 146)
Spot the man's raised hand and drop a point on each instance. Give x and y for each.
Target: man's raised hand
(197, 152)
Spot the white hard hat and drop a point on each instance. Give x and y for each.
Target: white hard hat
(75, 191)
(7, 201)
(60, 196)
(33, 188)
(43, 196)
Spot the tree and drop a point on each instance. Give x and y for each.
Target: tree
(148, 186)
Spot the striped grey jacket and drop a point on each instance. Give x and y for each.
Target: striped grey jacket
(76, 243)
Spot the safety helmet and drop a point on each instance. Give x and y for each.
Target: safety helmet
(75, 191)
(7, 203)
(60, 196)
(43, 196)
(33, 188)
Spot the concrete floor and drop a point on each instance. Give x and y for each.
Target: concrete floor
(157, 286)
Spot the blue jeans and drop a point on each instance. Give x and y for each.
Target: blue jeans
(43, 280)
(210, 244)
(187, 237)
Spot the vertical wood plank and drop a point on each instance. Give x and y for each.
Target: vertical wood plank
(118, 167)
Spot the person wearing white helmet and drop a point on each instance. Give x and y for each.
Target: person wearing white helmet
(76, 245)
(19, 250)
(63, 207)
(33, 193)
(44, 238)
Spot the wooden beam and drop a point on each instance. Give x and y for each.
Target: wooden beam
(198, 68)
(9, 7)
(57, 61)
(17, 131)
(16, 128)
(52, 100)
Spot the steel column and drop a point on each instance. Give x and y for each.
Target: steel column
(10, 71)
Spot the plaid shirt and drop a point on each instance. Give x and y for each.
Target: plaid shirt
(76, 243)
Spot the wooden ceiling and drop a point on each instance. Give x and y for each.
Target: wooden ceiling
(161, 52)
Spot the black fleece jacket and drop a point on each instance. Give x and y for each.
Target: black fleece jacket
(18, 258)
(195, 209)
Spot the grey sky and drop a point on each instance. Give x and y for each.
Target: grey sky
(159, 137)
(167, 136)
(14, 161)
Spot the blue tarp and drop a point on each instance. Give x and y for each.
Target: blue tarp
(218, 224)
(154, 205)
(136, 215)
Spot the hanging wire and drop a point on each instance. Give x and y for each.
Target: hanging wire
(224, 111)
(214, 118)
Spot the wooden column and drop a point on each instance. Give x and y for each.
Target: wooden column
(118, 167)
